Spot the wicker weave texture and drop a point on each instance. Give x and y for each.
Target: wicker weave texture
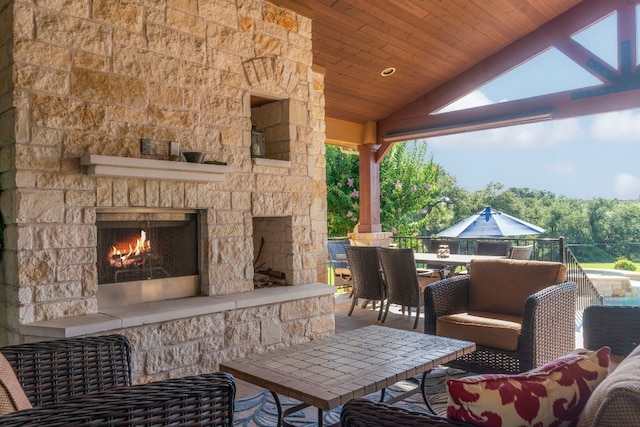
(500, 248)
(364, 413)
(401, 278)
(548, 328)
(193, 401)
(51, 371)
(365, 270)
(87, 382)
(615, 326)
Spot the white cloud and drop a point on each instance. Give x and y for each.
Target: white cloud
(626, 187)
(473, 99)
(616, 126)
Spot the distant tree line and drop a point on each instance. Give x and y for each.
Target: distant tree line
(419, 197)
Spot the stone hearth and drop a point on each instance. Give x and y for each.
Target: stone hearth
(81, 84)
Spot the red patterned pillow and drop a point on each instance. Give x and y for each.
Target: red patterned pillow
(552, 395)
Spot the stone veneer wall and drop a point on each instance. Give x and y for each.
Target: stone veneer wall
(95, 76)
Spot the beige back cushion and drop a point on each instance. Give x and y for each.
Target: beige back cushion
(503, 285)
(616, 401)
(12, 397)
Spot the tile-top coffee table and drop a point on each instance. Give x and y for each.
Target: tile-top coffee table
(328, 372)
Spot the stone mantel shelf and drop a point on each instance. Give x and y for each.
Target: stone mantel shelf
(129, 167)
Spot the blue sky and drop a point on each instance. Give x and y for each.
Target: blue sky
(586, 157)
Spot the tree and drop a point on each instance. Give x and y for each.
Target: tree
(343, 201)
(409, 190)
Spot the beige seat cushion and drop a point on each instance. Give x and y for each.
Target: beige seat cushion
(503, 285)
(616, 401)
(487, 329)
(340, 271)
(12, 397)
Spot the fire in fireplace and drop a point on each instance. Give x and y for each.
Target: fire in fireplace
(147, 249)
(140, 246)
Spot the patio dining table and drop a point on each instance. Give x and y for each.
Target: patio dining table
(453, 259)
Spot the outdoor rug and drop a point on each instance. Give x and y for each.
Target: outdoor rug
(259, 410)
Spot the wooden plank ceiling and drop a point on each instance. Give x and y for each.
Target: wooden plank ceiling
(429, 42)
(444, 49)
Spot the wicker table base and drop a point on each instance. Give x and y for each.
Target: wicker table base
(327, 373)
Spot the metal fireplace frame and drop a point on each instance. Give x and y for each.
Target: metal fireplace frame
(142, 291)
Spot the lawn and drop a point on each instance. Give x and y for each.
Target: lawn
(604, 265)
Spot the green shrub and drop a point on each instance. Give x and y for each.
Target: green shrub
(624, 264)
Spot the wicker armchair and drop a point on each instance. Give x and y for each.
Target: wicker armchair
(533, 304)
(615, 326)
(87, 382)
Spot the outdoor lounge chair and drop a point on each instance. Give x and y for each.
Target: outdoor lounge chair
(400, 276)
(365, 274)
(87, 382)
(339, 263)
(520, 314)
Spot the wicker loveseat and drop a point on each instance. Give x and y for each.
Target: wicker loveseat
(87, 382)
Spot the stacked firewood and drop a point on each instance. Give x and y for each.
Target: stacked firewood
(268, 278)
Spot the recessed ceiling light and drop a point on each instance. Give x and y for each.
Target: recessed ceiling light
(388, 71)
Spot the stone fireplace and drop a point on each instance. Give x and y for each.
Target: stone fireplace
(95, 98)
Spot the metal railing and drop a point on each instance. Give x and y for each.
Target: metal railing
(544, 249)
(587, 292)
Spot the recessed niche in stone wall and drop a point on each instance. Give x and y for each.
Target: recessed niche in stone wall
(273, 250)
(271, 117)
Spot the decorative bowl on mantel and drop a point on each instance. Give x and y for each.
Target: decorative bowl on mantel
(194, 156)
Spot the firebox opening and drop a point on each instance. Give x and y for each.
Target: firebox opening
(272, 251)
(146, 255)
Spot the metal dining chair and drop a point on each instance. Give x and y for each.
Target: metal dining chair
(365, 276)
(400, 276)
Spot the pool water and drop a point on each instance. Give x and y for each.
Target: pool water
(626, 301)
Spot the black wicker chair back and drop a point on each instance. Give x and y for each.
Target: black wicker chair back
(87, 382)
(78, 365)
(365, 275)
(615, 326)
(400, 276)
(499, 247)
